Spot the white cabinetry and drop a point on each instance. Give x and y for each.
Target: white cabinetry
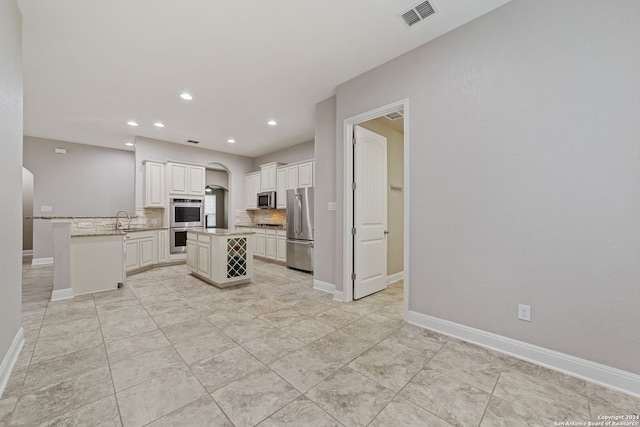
(259, 242)
(163, 246)
(270, 245)
(141, 249)
(281, 245)
(221, 258)
(293, 176)
(305, 174)
(185, 179)
(252, 188)
(192, 254)
(153, 184)
(268, 177)
(204, 256)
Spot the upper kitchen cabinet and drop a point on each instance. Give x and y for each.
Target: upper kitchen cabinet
(268, 177)
(153, 184)
(185, 179)
(305, 174)
(293, 176)
(251, 189)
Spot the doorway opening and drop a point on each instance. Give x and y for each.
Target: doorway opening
(216, 199)
(391, 120)
(27, 211)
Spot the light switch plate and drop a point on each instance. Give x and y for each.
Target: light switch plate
(332, 206)
(46, 208)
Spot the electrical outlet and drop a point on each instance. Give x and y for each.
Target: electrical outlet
(46, 208)
(524, 312)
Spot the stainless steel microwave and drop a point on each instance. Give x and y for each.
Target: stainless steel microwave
(267, 200)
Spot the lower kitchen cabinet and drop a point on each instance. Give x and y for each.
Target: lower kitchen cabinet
(141, 249)
(270, 245)
(259, 239)
(163, 246)
(223, 258)
(281, 246)
(192, 254)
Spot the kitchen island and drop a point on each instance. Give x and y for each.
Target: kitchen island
(219, 256)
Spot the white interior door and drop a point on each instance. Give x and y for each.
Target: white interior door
(370, 213)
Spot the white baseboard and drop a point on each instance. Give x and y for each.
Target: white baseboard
(338, 296)
(395, 277)
(606, 376)
(60, 294)
(324, 286)
(27, 252)
(10, 359)
(42, 261)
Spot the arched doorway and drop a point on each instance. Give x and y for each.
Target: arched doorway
(216, 199)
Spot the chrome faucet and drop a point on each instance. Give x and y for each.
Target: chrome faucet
(118, 225)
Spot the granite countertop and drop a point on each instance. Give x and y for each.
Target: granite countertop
(218, 231)
(92, 232)
(72, 217)
(276, 227)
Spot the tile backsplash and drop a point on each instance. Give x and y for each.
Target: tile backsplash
(261, 216)
(151, 218)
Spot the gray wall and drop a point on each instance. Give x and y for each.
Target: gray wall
(237, 166)
(87, 181)
(524, 173)
(325, 255)
(10, 174)
(216, 177)
(395, 199)
(296, 153)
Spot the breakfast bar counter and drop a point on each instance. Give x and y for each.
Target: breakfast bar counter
(219, 256)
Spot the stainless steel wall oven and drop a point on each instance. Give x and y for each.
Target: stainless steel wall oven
(185, 214)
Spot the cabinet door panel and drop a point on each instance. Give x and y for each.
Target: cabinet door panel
(281, 249)
(192, 256)
(281, 185)
(163, 246)
(270, 247)
(196, 180)
(260, 245)
(204, 260)
(146, 252)
(305, 175)
(292, 177)
(178, 178)
(133, 255)
(154, 185)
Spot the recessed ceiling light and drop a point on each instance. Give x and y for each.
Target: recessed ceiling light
(158, 124)
(132, 123)
(272, 123)
(231, 141)
(186, 96)
(129, 144)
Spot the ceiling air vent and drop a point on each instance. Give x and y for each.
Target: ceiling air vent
(417, 13)
(396, 115)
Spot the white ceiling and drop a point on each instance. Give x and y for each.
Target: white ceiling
(91, 66)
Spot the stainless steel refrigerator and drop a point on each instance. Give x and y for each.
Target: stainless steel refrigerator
(300, 228)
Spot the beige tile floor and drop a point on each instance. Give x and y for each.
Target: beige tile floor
(170, 350)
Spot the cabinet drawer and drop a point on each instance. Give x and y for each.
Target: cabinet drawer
(204, 238)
